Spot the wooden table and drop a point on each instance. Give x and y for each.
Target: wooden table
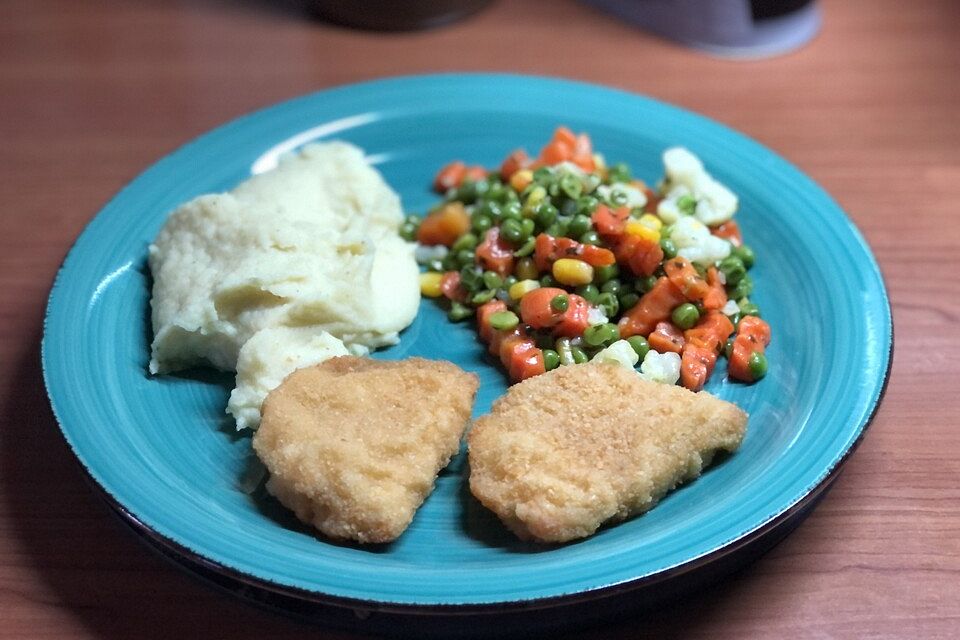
(92, 92)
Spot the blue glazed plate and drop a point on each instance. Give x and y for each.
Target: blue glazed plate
(165, 455)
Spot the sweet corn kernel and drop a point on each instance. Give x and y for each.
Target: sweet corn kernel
(651, 221)
(521, 180)
(430, 284)
(523, 287)
(572, 272)
(535, 197)
(637, 228)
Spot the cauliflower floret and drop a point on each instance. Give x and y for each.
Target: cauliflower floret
(633, 197)
(596, 316)
(661, 367)
(715, 202)
(620, 353)
(731, 308)
(695, 242)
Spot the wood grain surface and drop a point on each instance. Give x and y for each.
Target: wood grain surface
(92, 92)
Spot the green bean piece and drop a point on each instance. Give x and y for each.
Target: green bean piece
(551, 359)
(589, 292)
(466, 257)
(449, 262)
(639, 345)
(527, 248)
(483, 296)
(733, 269)
(579, 355)
(471, 278)
(608, 303)
(669, 249)
(745, 254)
(560, 303)
(579, 225)
(685, 315)
(757, 365)
(543, 176)
(728, 347)
(504, 320)
(601, 334)
(571, 186)
(459, 311)
(509, 281)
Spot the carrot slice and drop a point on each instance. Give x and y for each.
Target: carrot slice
(711, 332)
(495, 254)
(729, 230)
(608, 222)
(484, 312)
(575, 318)
(716, 296)
(639, 254)
(449, 177)
(535, 309)
(666, 336)
(513, 163)
(526, 361)
(450, 286)
(653, 307)
(685, 278)
(444, 225)
(753, 335)
(696, 366)
(548, 250)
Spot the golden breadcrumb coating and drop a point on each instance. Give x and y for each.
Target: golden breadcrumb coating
(353, 445)
(565, 451)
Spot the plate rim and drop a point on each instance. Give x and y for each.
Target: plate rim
(738, 543)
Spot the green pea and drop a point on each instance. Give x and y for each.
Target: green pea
(465, 242)
(590, 237)
(551, 359)
(481, 223)
(492, 280)
(496, 191)
(546, 215)
(526, 227)
(586, 205)
(579, 355)
(685, 315)
(511, 211)
(466, 257)
(608, 303)
(504, 320)
(601, 335)
(700, 269)
(526, 269)
(603, 274)
(669, 249)
(611, 286)
(483, 296)
(646, 283)
(548, 281)
(749, 309)
(436, 265)
(543, 176)
(509, 281)
(733, 269)
(745, 254)
(408, 231)
(568, 207)
(742, 289)
(757, 365)
(528, 247)
(589, 292)
(560, 303)
(619, 172)
(490, 209)
(511, 231)
(554, 230)
(618, 198)
(687, 204)
(571, 186)
(449, 262)
(728, 347)
(459, 311)
(579, 225)
(639, 345)
(628, 300)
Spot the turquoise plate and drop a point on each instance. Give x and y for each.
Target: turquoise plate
(164, 454)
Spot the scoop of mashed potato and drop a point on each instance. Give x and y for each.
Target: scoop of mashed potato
(310, 245)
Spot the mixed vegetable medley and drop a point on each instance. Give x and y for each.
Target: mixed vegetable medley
(563, 259)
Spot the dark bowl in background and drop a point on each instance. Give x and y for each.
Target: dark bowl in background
(394, 15)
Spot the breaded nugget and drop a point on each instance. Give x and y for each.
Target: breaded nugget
(565, 451)
(353, 445)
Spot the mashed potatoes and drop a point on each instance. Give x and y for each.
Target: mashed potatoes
(311, 246)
